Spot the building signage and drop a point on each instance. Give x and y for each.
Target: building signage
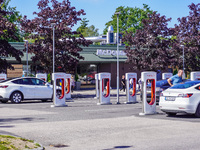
(110, 52)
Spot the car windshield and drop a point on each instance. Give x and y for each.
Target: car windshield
(185, 85)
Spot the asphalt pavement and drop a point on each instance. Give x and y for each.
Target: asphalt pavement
(84, 125)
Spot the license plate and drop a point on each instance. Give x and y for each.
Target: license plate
(170, 98)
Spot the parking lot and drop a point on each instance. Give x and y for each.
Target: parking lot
(88, 126)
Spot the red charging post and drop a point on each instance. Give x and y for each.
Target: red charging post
(195, 75)
(68, 86)
(149, 81)
(42, 76)
(131, 79)
(3, 76)
(104, 88)
(59, 91)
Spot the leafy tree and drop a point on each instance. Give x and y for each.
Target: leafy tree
(13, 16)
(91, 31)
(188, 35)
(130, 19)
(8, 31)
(67, 46)
(149, 48)
(84, 24)
(87, 31)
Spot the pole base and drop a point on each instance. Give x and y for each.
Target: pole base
(52, 106)
(144, 114)
(104, 103)
(131, 102)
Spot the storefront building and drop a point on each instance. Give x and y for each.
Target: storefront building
(97, 58)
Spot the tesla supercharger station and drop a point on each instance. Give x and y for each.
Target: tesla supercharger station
(149, 105)
(3, 76)
(59, 83)
(131, 90)
(104, 88)
(42, 76)
(195, 75)
(166, 75)
(97, 86)
(68, 86)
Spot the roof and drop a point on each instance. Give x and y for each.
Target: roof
(19, 46)
(89, 53)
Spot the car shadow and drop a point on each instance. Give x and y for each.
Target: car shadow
(28, 101)
(8, 120)
(119, 147)
(184, 116)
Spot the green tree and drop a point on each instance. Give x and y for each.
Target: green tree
(84, 24)
(130, 19)
(14, 17)
(8, 31)
(87, 31)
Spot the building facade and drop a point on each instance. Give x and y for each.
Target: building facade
(97, 58)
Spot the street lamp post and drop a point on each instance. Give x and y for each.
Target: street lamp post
(26, 57)
(118, 13)
(53, 26)
(183, 58)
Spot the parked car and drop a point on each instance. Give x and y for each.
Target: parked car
(161, 85)
(25, 88)
(181, 98)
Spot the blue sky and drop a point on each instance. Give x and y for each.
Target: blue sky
(99, 12)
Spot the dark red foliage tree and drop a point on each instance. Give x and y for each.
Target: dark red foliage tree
(188, 37)
(8, 31)
(67, 42)
(150, 47)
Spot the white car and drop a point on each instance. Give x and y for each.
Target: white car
(181, 98)
(25, 88)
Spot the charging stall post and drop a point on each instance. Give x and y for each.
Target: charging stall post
(68, 86)
(104, 88)
(166, 75)
(97, 86)
(42, 76)
(195, 75)
(149, 105)
(131, 79)
(3, 76)
(59, 84)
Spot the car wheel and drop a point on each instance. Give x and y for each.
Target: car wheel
(171, 114)
(197, 113)
(4, 101)
(16, 97)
